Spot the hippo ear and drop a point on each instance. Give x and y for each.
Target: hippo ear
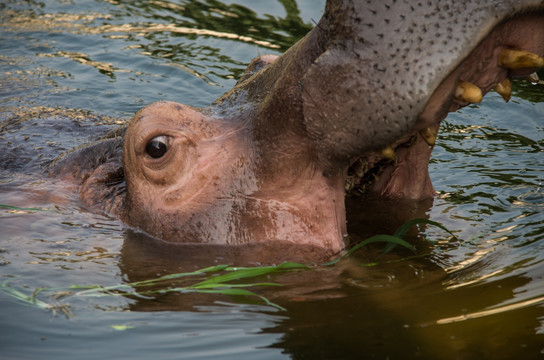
(256, 65)
(104, 189)
(97, 169)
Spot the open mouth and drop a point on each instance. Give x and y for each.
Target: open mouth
(513, 49)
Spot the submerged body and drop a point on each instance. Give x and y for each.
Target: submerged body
(355, 104)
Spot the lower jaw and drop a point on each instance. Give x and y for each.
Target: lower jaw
(407, 176)
(400, 171)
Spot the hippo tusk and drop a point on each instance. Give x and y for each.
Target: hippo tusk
(519, 59)
(429, 135)
(504, 88)
(468, 92)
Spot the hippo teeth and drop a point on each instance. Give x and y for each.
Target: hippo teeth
(504, 88)
(389, 153)
(519, 59)
(429, 135)
(533, 78)
(468, 92)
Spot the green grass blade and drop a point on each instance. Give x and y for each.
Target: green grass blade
(18, 208)
(27, 299)
(403, 229)
(225, 285)
(238, 292)
(388, 248)
(282, 266)
(149, 282)
(390, 239)
(243, 273)
(241, 292)
(98, 290)
(393, 240)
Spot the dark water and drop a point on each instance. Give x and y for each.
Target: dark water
(69, 69)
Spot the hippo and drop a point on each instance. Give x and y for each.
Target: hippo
(353, 107)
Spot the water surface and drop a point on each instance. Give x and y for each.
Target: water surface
(71, 70)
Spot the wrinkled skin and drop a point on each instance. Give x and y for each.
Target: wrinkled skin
(356, 105)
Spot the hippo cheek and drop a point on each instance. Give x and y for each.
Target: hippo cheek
(178, 165)
(512, 49)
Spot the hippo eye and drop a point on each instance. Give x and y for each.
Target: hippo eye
(157, 147)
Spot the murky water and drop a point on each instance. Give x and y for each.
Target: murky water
(69, 70)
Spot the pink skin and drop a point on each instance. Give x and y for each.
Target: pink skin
(207, 188)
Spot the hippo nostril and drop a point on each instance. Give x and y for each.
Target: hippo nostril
(157, 147)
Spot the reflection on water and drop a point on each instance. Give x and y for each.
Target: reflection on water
(81, 68)
(137, 44)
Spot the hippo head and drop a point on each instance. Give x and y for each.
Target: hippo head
(355, 105)
(200, 176)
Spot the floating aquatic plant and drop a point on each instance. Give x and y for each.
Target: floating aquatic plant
(214, 282)
(219, 279)
(24, 209)
(33, 300)
(392, 240)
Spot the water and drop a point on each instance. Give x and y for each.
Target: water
(480, 296)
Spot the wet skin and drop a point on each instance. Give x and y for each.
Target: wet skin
(354, 106)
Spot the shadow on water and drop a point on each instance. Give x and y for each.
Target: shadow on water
(396, 307)
(392, 324)
(477, 296)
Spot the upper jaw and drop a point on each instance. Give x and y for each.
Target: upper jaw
(514, 48)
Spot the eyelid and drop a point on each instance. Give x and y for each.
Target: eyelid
(162, 138)
(163, 146)
(146, 135)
